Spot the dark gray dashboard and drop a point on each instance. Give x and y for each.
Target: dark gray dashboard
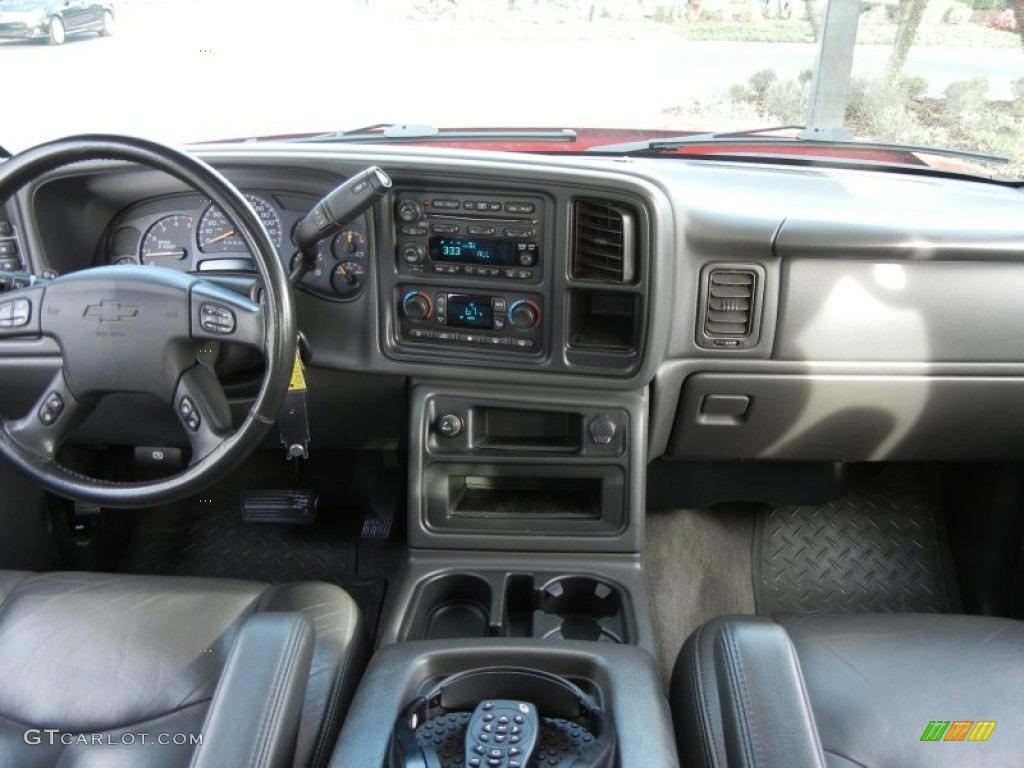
(762, 303)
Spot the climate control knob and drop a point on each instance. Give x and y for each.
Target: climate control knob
(417, 306)
(523, 314)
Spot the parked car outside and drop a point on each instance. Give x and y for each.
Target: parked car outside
(54, 20)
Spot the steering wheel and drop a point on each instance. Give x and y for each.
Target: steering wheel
(138, 329)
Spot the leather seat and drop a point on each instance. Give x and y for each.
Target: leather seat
(262, 673)
(851, 690)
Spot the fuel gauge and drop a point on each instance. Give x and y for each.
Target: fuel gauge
(349, 244)
(347, 278)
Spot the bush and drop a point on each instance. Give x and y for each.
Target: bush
(957, 13)
(990, 5)
(966, 101)
(1018, 96)
(1004, 21)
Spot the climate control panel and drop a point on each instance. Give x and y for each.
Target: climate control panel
(506, 321)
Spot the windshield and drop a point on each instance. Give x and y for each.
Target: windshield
(932, 73)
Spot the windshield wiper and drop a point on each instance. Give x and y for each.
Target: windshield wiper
(390, 133)
(762, 137)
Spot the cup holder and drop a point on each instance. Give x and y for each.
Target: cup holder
(453, 605)
(580, 608)
(576, 607)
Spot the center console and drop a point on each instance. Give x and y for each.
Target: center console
(525, 502)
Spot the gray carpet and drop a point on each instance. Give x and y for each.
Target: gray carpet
(698, 566)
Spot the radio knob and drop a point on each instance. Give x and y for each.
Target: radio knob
(413, 253)
(523, 314)
(410, 211)
(416, 306)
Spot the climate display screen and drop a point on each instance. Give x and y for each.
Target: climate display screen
(484, 250)
(466, 311)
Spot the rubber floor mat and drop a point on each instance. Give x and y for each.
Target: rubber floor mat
(206, 536)
(881, 547)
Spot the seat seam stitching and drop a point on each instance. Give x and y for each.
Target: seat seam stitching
(272, 712)
(703, 705)
(748, 729)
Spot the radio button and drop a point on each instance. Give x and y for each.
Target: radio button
(510, 273)
(520, 207)
(481, 205)
(444, 229)
(527, 258)
(524, 274)
(494, 206)
(410, 210)
(469, 205)
(440, 268)
(480, 230)
(414, 231)
(413, 253)
(518, 233)
(445, 204)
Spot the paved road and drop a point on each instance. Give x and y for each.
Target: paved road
(166, 76)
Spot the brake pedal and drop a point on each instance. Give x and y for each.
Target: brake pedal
(291, 507)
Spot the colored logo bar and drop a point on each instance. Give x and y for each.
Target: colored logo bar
(958, 730)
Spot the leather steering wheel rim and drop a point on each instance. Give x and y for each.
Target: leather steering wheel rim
(278, 322)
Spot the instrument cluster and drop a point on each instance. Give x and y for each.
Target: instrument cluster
(190, 234)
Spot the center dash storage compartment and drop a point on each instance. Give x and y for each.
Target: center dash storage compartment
(528, 499)
(501, 604)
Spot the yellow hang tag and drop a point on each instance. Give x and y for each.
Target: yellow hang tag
(298, 382)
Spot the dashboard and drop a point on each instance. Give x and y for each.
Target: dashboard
(757, 310)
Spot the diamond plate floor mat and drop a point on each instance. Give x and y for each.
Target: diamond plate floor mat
(205, 536)
(881, 547)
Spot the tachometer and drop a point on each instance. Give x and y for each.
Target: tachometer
(218, 235)
(168, 243)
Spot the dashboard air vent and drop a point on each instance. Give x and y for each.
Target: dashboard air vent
(605, 245)
(730, 318)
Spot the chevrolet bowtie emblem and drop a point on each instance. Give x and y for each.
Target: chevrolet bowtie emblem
(110, 311)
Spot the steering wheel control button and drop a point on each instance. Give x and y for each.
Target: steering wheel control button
(152, 456)
(15, 313)
(450, 425)
(189, 414)
(52, 408)
(602, 429)
(8, 247)
(216, 318)
(5, 228)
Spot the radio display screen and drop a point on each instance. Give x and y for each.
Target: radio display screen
(484, 250)
(467, 311)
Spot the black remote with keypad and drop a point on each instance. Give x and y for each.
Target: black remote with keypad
(502, 734)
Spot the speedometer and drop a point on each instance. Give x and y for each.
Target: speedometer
(218, 235)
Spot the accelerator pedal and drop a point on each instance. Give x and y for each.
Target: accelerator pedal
(290, 507)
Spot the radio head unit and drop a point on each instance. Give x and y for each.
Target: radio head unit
(488, 235)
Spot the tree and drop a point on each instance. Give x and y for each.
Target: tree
(911, 13)
(1018, 14)
(811, 12)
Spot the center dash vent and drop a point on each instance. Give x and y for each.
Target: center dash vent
(731, 311)
(605, 244)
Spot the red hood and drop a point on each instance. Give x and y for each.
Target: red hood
(594, 137)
